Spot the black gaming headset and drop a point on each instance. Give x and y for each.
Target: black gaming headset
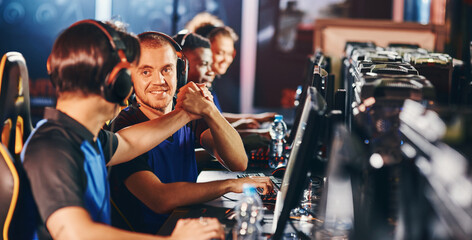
(184, 37)
(117, 85)
(182, 63)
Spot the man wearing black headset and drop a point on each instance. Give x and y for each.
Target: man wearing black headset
(198, 53)
(66, 156)
(146, 189)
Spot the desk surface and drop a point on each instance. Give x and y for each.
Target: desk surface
(204, 176)
(228, 200)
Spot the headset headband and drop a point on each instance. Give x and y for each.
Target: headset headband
(111, 34)
(182, 42)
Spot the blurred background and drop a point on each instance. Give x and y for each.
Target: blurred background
(276, 36)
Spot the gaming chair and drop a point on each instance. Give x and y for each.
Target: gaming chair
(15, 116)
(18, 212)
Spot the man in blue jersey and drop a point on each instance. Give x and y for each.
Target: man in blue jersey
(66, 156)
(145, 189)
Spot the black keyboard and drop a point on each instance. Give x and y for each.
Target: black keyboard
(243, 175)
(276, 181)
(224, 215)
(209, 211)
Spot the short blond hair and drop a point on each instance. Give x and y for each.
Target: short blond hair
(203, 19)
(223, 31)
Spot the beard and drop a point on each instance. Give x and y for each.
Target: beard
(156, 104)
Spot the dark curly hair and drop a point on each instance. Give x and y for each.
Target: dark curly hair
(191, 41)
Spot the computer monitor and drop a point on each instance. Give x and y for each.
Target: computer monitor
(313, 77)
(433, 206)
(301, 160)
(337, 204)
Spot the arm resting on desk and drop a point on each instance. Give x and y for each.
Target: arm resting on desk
(164, 197)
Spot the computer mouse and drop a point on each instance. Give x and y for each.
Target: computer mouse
(279, 172)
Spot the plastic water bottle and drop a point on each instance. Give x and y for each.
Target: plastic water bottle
(249, 213)
(277, 133)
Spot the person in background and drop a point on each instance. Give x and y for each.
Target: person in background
(145, 190)
(199, 55)
(66, 156)
(253, 128)
(200, 58)
(222, 39)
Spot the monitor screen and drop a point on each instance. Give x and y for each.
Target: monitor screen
(313, 77)
(305, 146)
(337, 203)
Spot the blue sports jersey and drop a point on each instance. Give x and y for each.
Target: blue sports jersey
(67, 167)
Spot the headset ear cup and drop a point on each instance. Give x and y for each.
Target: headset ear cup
(48, 67)
(182, 72)
(119, 88)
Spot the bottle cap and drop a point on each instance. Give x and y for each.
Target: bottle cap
(279, 117)
(249, 189)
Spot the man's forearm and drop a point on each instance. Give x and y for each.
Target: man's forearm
(164, 197)
(224, 141)
(75, 223)
(140, 138)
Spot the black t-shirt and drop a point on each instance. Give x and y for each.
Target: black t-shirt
(128, 117)
(124, 200)
(67, 167)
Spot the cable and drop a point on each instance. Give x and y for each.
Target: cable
(309, 212)
(312, 214)
(122, 215)
(233, 200)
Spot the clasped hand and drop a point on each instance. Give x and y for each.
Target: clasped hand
(195, 99)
